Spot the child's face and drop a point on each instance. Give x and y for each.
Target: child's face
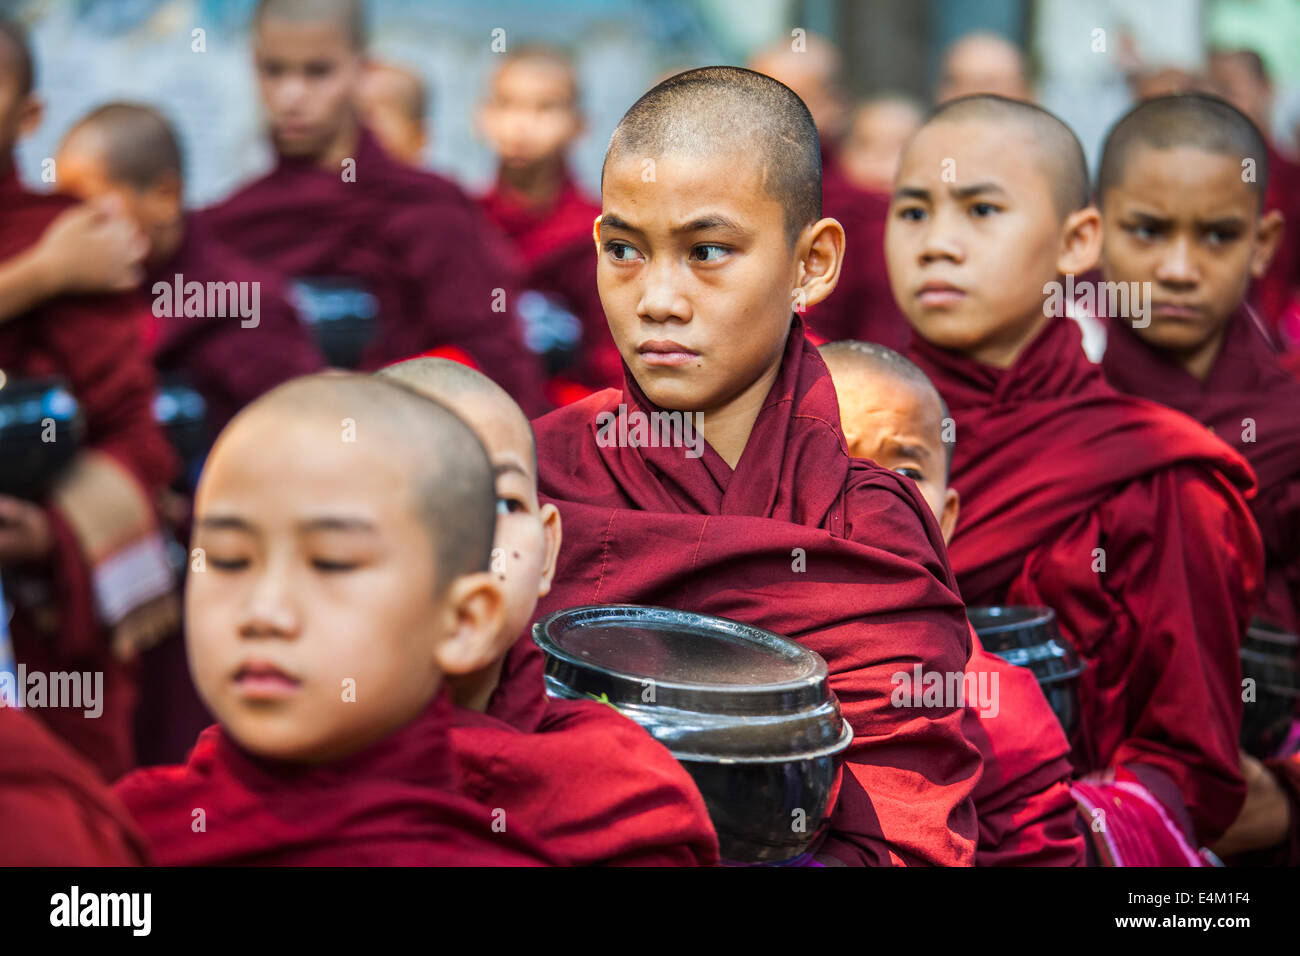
(531, 116)
(899, 426)
(314, 625)
(1183, 220)
(875, 142)
(527, 540)
(308, 73)
(379, 98)
(972, 238)
(697, 277)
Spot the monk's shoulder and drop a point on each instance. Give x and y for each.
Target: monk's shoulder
(882, 505)
(24, 218)
(565, 429)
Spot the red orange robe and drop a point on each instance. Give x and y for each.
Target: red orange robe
(393, 804)
(412, 240)
(54, 810)
(592, 785)
(836, 553)
(107, 575)
(1062, 477)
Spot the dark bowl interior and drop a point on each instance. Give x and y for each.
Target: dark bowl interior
(1028, 637)
(1269, 658)
(343, 316)
(41, 430)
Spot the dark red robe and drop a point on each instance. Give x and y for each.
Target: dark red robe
(54, 810)
(411, 238)
(393, 804)
(592, 785)
(836, 553)
(1277, 293)
(1060, 474)
(862, 306)
(95, 343)
(227, 363)
(558, 257)
(1246, 385)
(1026, 814)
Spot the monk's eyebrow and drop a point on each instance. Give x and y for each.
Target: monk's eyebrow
(510, 466)
(909, 450)
(1225, 223)
(711, 221)
(912, 192)
(337, 523)
(225, 523)
(616, 222)
(976, 189)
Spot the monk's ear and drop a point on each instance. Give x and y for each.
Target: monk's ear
(1267, 236)
(475, 612)
(554, 532)
(29, 116)
(821, 257)
(951, 509)
(1080, 242)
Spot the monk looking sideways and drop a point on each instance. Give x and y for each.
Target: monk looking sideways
(768, 521)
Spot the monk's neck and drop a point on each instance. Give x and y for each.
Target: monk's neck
(1199, 361)
(343, 146)
(473, 691)
(1002, 352)
(537, 185)
(727, 428)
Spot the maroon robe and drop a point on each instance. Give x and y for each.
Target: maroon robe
(1277, 293)
(1060, 474)
(393, 804)
(411, 239)
(227, 363)
(862, 306)
(558, 257)
(95, 343)
(1245, 383)
(590, 783)
(1026, 814)
(836, 553)
(54, 810)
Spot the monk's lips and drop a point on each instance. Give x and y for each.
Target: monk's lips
(748, 713)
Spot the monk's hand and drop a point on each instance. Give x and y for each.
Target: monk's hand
(1264, 817)
(25, 535)
(94, 247)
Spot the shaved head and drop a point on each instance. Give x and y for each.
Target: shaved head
(135, 143)
(403, 88)
(539, 54)
(813, 72)
(16, 55)
(1060, 154)
(472, 394)
(1198, 120)
(983, 63)
(350, 15)
(870, 358)
(737, 112)
(451, 476)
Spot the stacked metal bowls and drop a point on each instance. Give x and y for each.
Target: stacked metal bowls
(41, 429)
(1028, 637)
(1269, 658)
(748, 713)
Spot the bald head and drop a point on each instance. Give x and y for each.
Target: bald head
(16, 56)
(450, 473)
(1197, 120)
(135, 143)
(398, 87)
(541, 56)
(812, 69)
(724, 110)
(349, 15)
(481, 402)
(1058, 151)
(983, 63)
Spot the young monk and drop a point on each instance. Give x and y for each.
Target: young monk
(861, 306)
(54, 810)
(339, 213)
(1178, 217)
(394, 104)
(231, 348)
(983, 63)
(590, 783)
(86, 568)
(1063, 480)
(893, 415)
(754, 510)
(531, 118)
(346, 526)
(879, 128)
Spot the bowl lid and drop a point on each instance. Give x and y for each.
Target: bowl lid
(707, 687)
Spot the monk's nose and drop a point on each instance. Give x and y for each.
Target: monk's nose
(939, 240)
(661, 299)
(269, 610)
(1178, 265)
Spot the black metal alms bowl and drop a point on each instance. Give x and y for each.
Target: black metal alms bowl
(748, 713)
(1269, 658)
(1028, 637)
(41, 429)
